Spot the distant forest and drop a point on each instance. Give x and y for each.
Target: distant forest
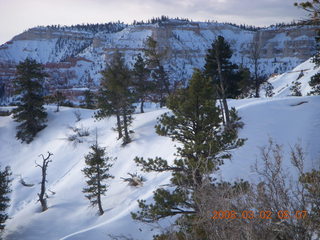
(111, 27)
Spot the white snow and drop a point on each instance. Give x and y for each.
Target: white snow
(283, 82)
(69, 215)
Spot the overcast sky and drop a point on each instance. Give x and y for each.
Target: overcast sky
(19, 15)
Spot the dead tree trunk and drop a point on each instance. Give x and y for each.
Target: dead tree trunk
(44, 166)
(255, 54)
(222, 92)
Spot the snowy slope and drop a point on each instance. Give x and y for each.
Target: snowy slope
(302, 73)
(75, 58)
(69, 216)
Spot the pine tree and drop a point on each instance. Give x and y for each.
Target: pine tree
(158, 73)
(30, 111)
(313, 7)
(222, 72)
(244, 83)
(97, 172)
(143, 86)
(58, 98)
(116, 96)
(315, 80)
(89, 100)
(196, 124)
(268, 89)
(296, 88)
(5, 180)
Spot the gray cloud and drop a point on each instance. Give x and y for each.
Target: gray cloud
(19, 15)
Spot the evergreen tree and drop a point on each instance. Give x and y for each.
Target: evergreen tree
(89, 100)
(196, 124)
(296, 88)
(315, 80)
(244, 83)
(5, 180)
(222, 72)
(97, 172)
(141, 83)
(313, 7)
(158, 73)
(116, 96)
(268, 89)
(30, 111)
(58, 98)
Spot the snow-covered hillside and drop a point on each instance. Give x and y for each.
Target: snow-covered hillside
(301, 73)
(69, 215)
(74, 58)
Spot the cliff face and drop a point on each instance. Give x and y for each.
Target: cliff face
(74, 58)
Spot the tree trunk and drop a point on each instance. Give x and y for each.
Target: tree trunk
(256, 78)
(161, 100)
(222, 112)
(42, 194)
(101, 212)
(125, 128)
(42, 198)
(119, 126)
(223, 95)
(257, 88)
(166, 86)
(141, 106)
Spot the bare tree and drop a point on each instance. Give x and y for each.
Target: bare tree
(255, 55)
(279, 207)
(44, 166)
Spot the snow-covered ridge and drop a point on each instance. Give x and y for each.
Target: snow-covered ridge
(302, 74)
(75, 58)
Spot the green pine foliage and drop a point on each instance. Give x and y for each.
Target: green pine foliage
(268, 88)
(315, 84)
(223, 73)
(89, 100)
(30, 111)
(5, 180)
(313, 8)
(158, 73)
(296, 88)
(97, 173)
(218, 61)
(244, 80)
(316, 57)
(141, 82)
(116, 96)
(315, 80)
(195, 123)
